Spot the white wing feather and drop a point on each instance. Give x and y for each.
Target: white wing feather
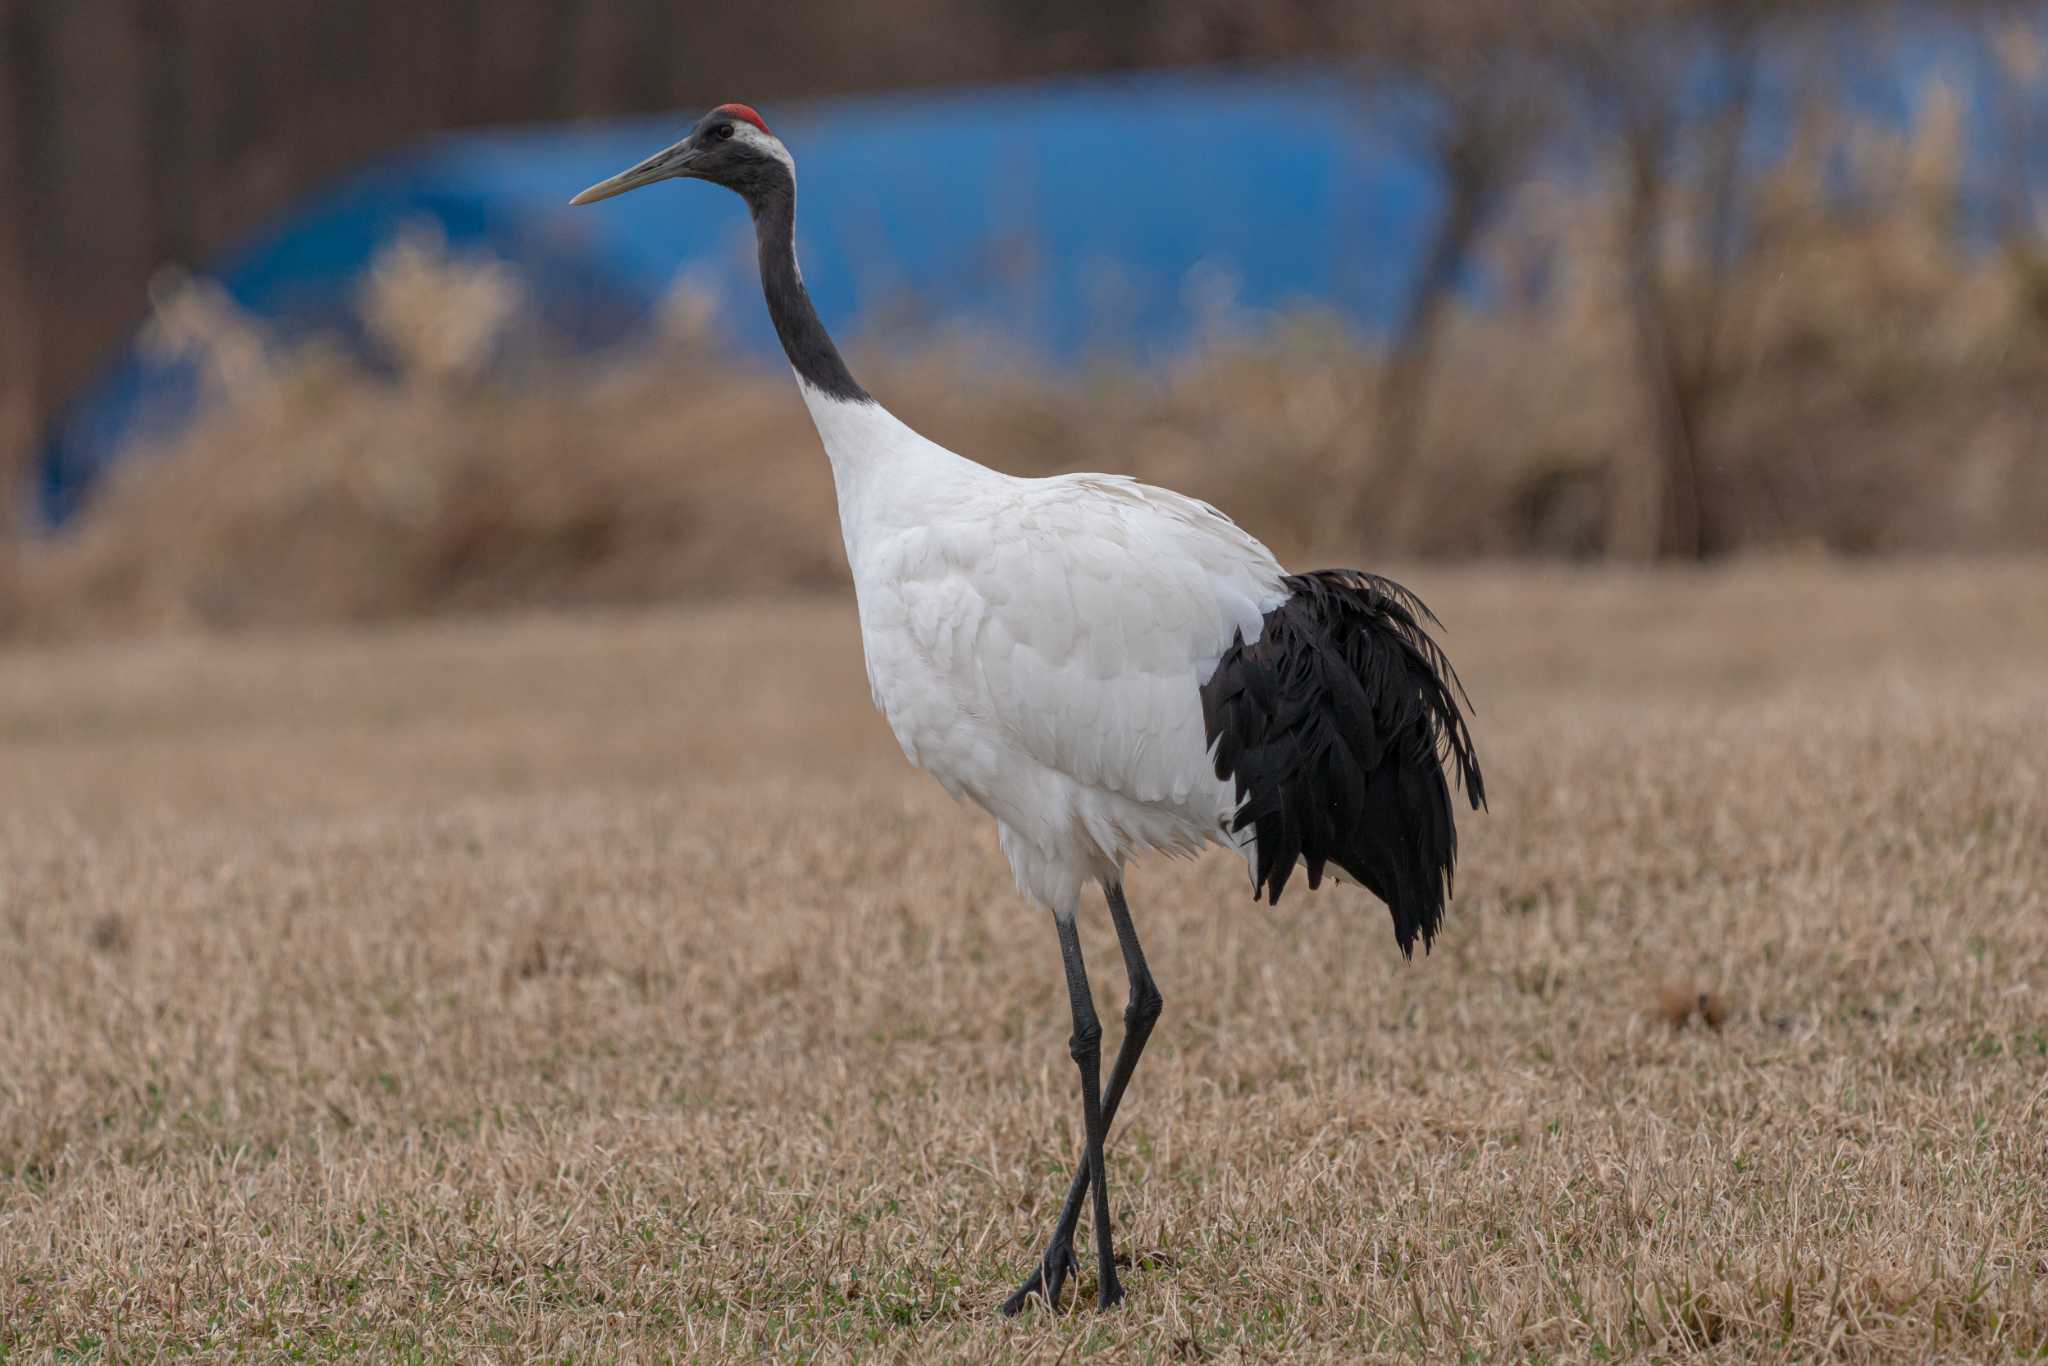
(1064, 625)
(1039, 645)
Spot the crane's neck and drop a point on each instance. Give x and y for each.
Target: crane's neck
(885, 474)
(805, 341)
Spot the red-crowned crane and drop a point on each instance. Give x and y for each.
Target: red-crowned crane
(1110, 669)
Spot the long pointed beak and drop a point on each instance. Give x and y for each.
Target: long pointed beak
(666, 164)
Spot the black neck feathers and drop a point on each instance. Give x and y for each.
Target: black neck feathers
(804, 340)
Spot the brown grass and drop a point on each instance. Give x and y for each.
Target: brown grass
(606, 986)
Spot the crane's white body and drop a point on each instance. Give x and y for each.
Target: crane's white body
(1059, 651)
(1039, 645)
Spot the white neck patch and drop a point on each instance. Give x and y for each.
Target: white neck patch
(745, 132)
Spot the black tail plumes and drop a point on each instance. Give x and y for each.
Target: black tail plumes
(1337, 726)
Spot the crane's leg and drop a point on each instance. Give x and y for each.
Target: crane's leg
(1140, 1014)
(1085, 1047)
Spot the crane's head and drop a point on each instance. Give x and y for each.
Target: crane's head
(730, 146)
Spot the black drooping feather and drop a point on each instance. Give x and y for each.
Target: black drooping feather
(1337, 725)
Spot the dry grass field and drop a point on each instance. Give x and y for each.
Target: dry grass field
(606, 986)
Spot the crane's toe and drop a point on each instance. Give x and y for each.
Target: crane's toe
(1047, 1279)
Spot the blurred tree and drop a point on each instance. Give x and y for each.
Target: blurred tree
(1679, 316)
(1662, 91)
(1472, 100)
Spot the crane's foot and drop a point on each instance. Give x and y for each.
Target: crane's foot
(1047, 1279)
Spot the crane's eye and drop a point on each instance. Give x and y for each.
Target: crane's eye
(722, 131)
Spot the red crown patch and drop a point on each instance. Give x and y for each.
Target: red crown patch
(743, 111)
